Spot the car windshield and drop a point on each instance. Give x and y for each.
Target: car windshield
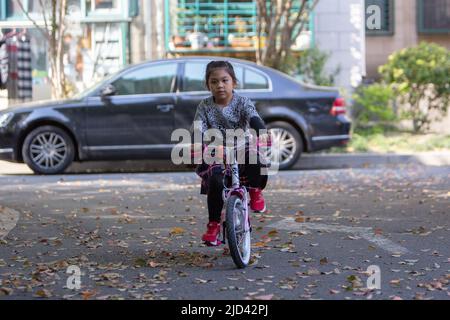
(95, 87)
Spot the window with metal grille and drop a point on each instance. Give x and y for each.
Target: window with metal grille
(379, 17)
(212, 24)
(433, 16)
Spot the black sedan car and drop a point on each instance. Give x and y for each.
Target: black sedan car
(132, 114)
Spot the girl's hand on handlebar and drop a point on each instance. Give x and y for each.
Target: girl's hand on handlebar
(219, 151)
(264, 140)
(196, 149)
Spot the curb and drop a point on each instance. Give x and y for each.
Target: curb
(306, 162)
(363, 160)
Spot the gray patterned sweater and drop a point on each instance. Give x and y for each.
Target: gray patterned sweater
(240, 113)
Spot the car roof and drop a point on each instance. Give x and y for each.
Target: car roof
(283, 78)
(183, 58)
(271, 71)
(193, 58)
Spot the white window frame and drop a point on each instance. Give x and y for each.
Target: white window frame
(94, 45)
(103, 12)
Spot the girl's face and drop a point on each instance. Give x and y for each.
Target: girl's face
(221, 85)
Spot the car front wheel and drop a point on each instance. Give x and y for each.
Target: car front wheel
(48, 150)
(287, 144)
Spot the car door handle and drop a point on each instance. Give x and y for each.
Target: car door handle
(313, 109)
(165, 107)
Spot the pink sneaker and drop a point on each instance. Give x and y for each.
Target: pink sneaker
(257, 203)
(211, 237)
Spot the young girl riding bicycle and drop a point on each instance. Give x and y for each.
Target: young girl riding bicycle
(225, 109)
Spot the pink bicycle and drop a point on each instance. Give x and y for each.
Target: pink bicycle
(236, 220)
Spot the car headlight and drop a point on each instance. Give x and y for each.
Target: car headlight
(5, 119)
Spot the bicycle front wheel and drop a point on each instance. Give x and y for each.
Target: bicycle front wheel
(239, 240)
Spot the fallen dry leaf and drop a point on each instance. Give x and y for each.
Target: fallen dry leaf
(313, 272)
(176, 231)
(153, 264)
(378, 231)
(334, 291)
(5, 291)
(88, 294)
(43, 293)
(395, 282)
(110, 276)
(272, 233)
(258, 244)
(264, 297)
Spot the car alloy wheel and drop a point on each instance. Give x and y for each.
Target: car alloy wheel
(287, 145)
(48, 150)
(284, 146)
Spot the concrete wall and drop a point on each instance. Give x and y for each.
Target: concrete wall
(440, 39)
(339, 30)
(378, 48)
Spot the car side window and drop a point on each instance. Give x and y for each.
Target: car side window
(147, 80)
(239, 71)
(194, 76)
(254, 80)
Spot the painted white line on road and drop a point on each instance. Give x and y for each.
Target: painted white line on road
(366, 233)
(8, 220)
(119, 217)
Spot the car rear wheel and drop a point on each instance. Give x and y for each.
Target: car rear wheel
(287, 144)
(48, 150)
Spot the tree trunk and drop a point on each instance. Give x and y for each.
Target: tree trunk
(54, 35)
(279, 24)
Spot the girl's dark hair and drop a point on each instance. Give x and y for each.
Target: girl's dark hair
(219, 65)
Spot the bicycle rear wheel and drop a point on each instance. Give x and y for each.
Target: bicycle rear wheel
(239, 240)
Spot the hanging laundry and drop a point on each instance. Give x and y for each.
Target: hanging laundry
(24, 70)
(3, 65)
(11, 84)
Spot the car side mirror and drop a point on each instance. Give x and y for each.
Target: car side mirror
(108, 91)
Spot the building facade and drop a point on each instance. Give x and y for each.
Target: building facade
(96, 39)
(405, 23)
(228, 28)
(339, 31)
(105, 35)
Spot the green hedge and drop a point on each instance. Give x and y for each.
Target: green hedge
(420, 77)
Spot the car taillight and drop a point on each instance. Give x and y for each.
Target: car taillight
(338, 107)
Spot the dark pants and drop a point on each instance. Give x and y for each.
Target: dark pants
(254, 179)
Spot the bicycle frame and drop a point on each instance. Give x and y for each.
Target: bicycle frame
(236, 189)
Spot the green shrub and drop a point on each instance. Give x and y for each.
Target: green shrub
(311, 68)
(420, 77)
(372, 103)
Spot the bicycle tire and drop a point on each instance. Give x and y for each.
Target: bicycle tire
(240, 259)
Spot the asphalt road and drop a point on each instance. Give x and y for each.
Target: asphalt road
(137, 236)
